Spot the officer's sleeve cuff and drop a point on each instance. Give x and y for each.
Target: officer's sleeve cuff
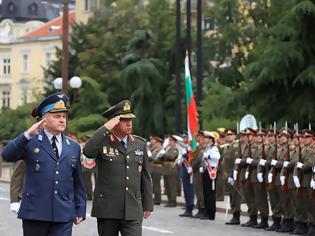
(26, 135)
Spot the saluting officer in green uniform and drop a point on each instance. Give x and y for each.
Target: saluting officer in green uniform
(123, 191)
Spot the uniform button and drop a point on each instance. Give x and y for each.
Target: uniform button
(111, 159)
(127, 157)
(127, 177)
(57, 172)
(127, 167)
(126, 188)
(56, 182)
(27, 194)
(58, 164)
(56, 192)
(101, 195)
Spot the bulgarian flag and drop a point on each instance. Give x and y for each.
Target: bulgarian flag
(192, 114)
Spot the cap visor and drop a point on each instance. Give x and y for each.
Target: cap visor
(127, 115)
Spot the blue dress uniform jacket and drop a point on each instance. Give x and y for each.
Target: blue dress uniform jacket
(123, 187)
(53, 189)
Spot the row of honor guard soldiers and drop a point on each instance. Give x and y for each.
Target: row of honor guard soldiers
(197, 171)
(271, 167)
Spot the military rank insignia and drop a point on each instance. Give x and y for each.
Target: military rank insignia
(138, 152)
(36, 150)
(110, 151)
(140, 168)
(37, 166)
(105, 150)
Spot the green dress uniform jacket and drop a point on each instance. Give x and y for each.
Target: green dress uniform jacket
(17, 179)
(123, 187)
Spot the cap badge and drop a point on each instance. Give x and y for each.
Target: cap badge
(59, 105)
(126, 106)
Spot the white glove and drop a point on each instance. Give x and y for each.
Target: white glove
(285, 164)
(313, 168)
(201, 169)
(237, 161)
(270, 176)
(162, 152)
(260, 177)
(312, 184)
(235, 175)
(299, 165)
(179, 161)
(249, 160)
(274, 162)
(282, 180)
(149, 153)
(296, 181)
(231, 181)
(189, 170)
(14, 207)
(246, 174)
(184, 151)
(262, 162)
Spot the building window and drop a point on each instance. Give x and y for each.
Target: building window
(25, 63)
(90, 4)
(32, 9)
(48, 59)
(5, 99)
(7, 66)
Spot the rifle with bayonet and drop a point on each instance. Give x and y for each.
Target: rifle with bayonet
(273, 171)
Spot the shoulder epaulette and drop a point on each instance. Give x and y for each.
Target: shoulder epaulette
(142, 139)
(71, 139)
(224, 145)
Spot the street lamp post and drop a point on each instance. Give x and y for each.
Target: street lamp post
(65, 52)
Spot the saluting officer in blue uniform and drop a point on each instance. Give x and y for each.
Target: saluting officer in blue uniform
(53, 195)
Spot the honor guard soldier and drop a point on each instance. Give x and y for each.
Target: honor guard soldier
(227, 164)
(247, 136)
(285, 202)
(53, 196)
(304, 168)
(156, 169)
(263, 175)
(187, 177)
(123, 190)
(209, 167)
(171, 171)
(197, 179)
(260, 193)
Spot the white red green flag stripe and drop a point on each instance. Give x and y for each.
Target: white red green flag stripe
(192, 114)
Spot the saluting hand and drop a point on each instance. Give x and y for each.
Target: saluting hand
(112, 123)
(35, 128)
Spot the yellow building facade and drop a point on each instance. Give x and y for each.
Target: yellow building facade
(23, 60)
(84, 9)
(22, 70)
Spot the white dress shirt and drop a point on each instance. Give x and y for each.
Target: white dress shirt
(58, 142)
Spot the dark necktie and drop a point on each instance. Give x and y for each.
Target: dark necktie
(123, 144)
(54, 145)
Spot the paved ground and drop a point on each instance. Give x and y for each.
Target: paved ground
(164, 221)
